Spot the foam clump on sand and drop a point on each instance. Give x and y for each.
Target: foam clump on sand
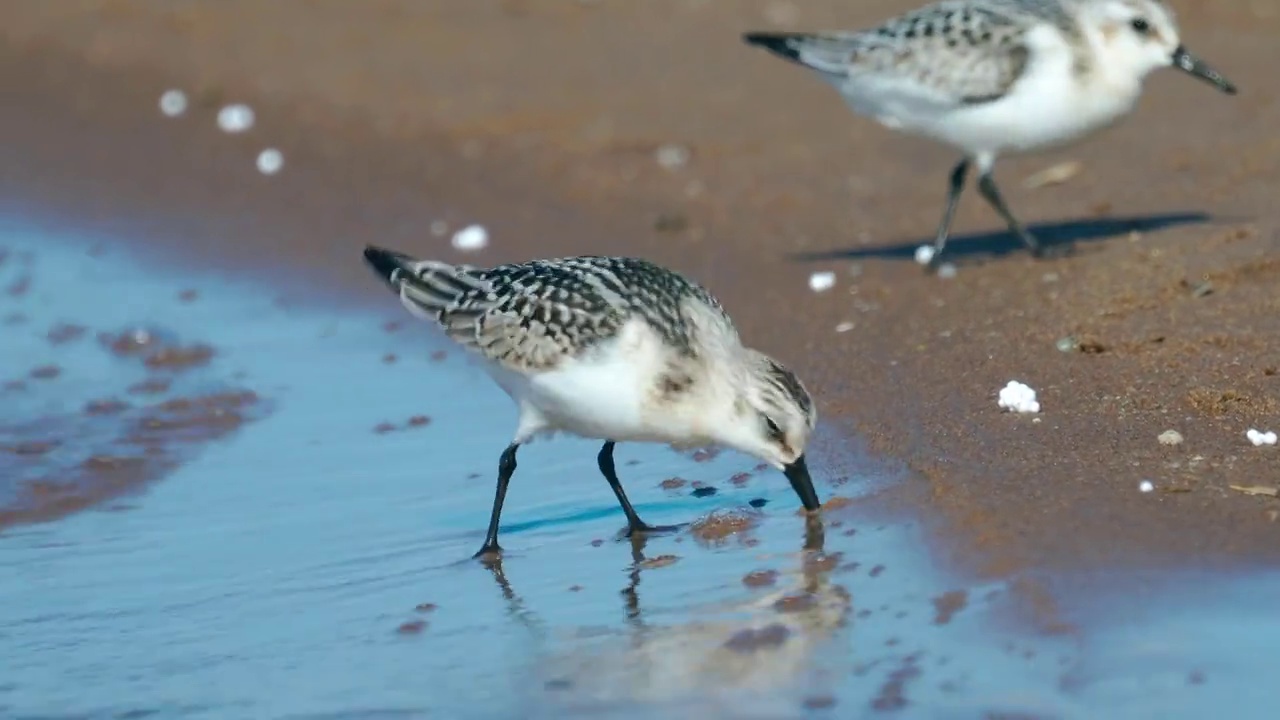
(1260, 438)
(822, 281)
(1019, 398)
(470, 238)
(173, 103)
(235, 118)
(270, 161)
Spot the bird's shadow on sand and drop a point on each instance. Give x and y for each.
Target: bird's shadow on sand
(1071, 234)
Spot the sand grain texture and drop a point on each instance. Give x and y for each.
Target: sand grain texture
(541, 120)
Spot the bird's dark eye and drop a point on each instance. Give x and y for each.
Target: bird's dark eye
(1140, 26)
(775, 432)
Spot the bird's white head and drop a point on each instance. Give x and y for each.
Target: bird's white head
(772, 418)
(1136, 37)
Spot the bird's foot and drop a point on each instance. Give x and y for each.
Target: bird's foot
(930, 258)
(490, 552)
(644, 529)
(936, 264)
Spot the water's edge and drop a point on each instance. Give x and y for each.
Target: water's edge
(276, 571)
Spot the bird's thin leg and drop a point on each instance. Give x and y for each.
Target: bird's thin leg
(634, 523)
(506, 468)
(987, 188)
(955, 187)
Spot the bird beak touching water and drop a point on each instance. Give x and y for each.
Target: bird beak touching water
(798, 473)
(1192, 65)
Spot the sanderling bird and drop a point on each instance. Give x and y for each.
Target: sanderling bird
(996, 76)
(615, 349)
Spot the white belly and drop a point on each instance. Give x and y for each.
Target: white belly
(1032, 117)
(603, 401)
(607, 396)
(1050, 105)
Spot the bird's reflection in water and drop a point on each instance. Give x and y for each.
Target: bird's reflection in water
(518, 610)
(516, 607)
(630, 594)
(763, 643)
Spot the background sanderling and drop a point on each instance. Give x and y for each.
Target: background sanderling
(996, 76)
(614, 349)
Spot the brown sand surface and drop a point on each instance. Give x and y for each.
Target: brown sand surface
(541, 119)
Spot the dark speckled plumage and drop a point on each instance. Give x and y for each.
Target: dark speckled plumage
(989, 77)
(529, 316)
(616, 349)
(969, 52)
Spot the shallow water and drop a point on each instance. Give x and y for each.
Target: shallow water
(312, 558)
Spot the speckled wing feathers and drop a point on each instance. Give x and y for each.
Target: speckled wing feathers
(529, 316)
(954, 52)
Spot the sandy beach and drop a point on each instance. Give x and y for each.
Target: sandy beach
(544, 120)
(541, 120)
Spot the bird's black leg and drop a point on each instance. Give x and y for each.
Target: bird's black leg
(506, 468)
(955, 187)
(987, 188)
(634, 523)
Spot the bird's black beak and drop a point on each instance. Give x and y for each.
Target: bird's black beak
(1192, 65)
(798, 473)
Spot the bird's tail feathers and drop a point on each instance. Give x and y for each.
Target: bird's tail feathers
(825, 53)
(426, 287)
(437, 286)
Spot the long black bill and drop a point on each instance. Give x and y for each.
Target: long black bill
(777, 43)
(798, 474)
(1192, 65)
(385, 262)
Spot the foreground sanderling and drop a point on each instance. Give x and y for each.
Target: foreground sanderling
(996, 76)
(614, 349)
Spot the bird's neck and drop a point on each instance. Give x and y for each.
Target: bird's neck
(1100, 74)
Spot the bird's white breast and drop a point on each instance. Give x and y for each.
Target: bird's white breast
(606, 394)
(1051, 104)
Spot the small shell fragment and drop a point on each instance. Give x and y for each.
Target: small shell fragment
(672, 156)
(235, 118)
(471, 238)
(1260, 438)
(173, 103)
(822, 281)
(1053, 175)
(270, 161)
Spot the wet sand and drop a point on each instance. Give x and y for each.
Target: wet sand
(122, 410)
(541, 120)
(317, 561)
